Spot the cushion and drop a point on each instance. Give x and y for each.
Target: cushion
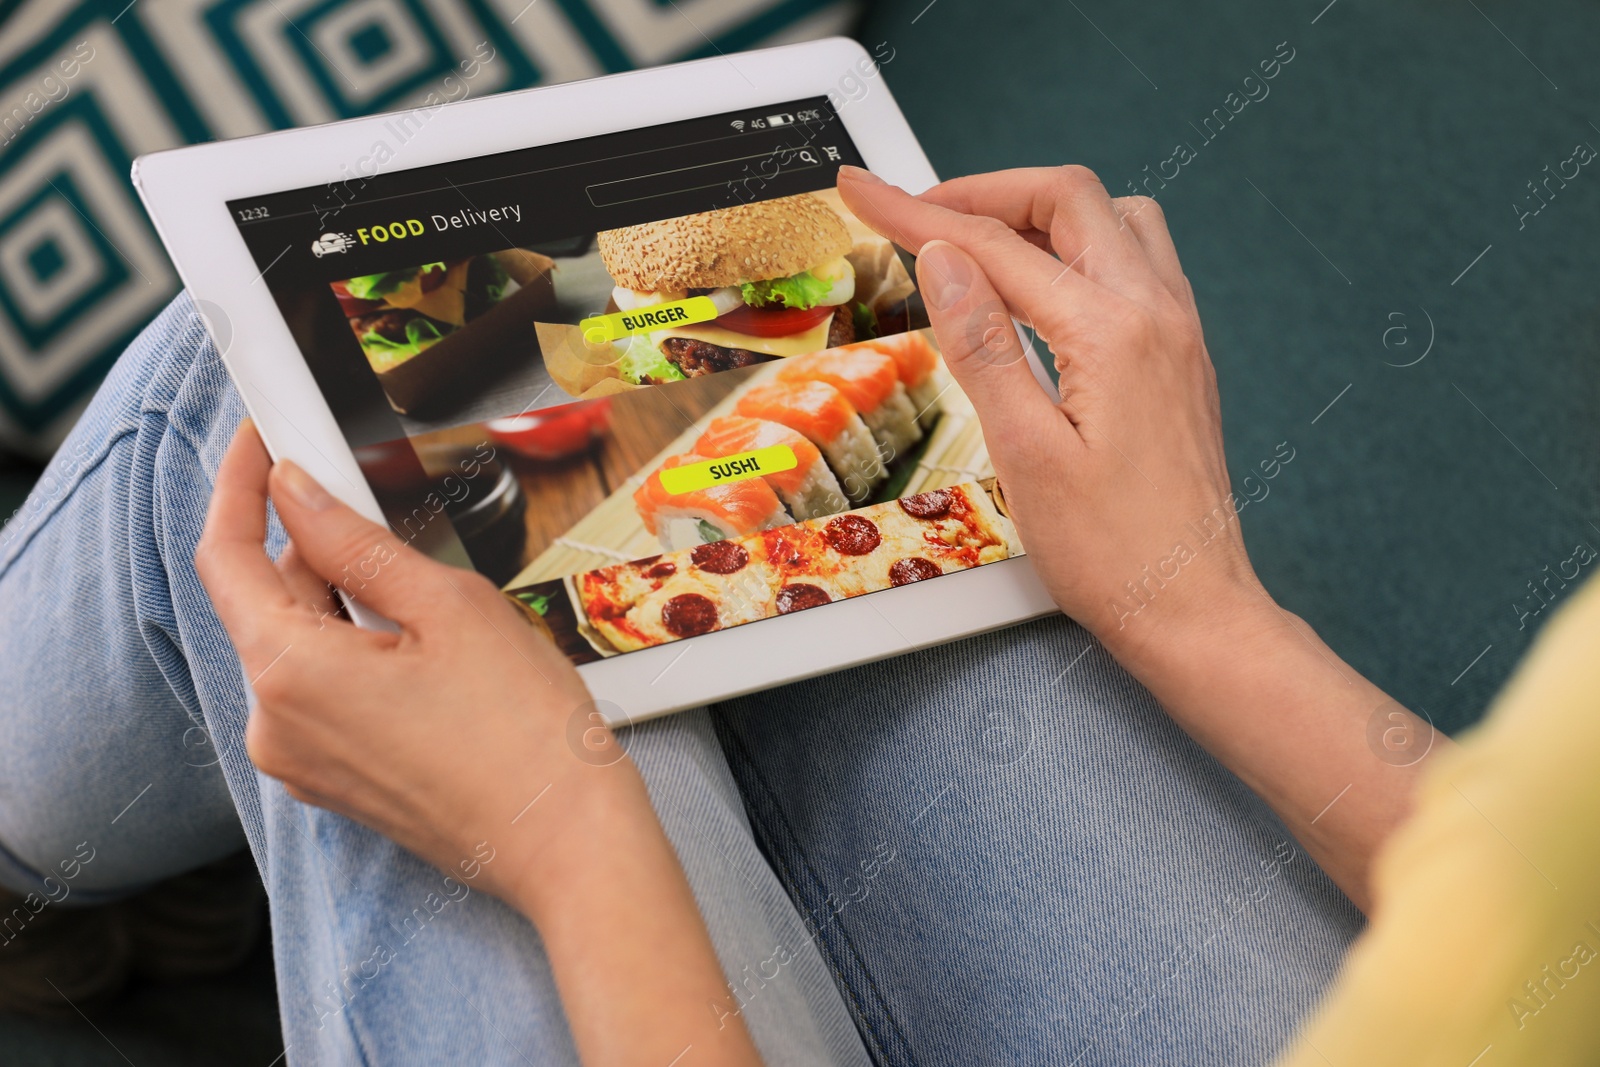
(86, 87)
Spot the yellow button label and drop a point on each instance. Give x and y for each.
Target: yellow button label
(703, 475)
(603, 329)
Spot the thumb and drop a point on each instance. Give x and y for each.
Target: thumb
(358, 556)
(980, 346)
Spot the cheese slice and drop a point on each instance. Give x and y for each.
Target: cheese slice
(447, 303)
(795, 344)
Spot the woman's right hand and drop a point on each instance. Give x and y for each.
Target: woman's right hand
(438, 734)
(1121, 494)
(1122, 480)
(465, 735)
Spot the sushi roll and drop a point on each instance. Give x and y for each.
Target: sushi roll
(808, 490)
(916, 361)
(683, 520)
(825, 417)
(870, 380)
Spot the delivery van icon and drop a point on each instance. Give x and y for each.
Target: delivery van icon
(332, 242)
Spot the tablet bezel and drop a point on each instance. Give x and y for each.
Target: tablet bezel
(186, 191)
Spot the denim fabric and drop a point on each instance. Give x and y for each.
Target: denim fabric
(992, 852)
(122, 724)
(1011, 855)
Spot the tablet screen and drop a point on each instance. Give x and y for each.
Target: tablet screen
(654, 383)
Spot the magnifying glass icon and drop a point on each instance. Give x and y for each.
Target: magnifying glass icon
(806, 154)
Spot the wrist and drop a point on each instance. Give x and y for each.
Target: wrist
(1156, 630)
(598, 821)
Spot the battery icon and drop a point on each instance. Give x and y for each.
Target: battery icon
(779, 120)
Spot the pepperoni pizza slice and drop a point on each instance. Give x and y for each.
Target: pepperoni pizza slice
(675, 595)
(885, 545)
(776, 572)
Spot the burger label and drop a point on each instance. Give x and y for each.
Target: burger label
(603, 329)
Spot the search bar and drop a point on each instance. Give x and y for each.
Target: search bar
(762, 167)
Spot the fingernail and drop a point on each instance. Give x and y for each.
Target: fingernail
(857, 174)
(305, 490)
(945, 275)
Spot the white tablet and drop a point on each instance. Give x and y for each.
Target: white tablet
(619, 346)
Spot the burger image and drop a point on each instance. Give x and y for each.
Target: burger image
(437, 331)
(775, 269)
(398, 314)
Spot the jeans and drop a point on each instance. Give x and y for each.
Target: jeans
(994, 851)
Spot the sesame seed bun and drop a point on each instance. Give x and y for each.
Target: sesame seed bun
(747, 243)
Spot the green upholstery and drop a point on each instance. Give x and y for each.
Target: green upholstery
(1396, 141)
(230, 1021)
(16, 479)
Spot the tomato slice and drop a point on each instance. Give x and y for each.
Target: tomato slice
(773, 321)
(354, 305)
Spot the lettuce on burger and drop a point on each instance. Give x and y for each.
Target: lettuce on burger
(400, 313)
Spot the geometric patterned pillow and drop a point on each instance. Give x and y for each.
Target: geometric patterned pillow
(87, 85)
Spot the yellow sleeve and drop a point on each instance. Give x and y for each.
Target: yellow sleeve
(1484, 946)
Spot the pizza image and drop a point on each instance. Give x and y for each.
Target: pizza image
(712, 586)
(664, 598)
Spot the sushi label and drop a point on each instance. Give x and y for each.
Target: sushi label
(695, 476)
(603, 329)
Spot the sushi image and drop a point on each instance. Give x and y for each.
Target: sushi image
(717, 512)
(870, 380)
(915, 360)
(808, 490)
(797, 483)
(821, 413)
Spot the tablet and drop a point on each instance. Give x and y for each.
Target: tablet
(619, 346)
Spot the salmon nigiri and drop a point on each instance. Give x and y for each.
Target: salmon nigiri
(820, 412)
(717, 512)
(809, 489)
(870, 380)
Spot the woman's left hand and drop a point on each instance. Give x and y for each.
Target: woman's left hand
(438, 735)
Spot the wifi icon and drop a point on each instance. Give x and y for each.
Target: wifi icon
(738, 125)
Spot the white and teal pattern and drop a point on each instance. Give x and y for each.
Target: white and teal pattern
(85, 87)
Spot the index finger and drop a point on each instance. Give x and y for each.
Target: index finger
(1068, 203)
(246, 590)
(1032, 282)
